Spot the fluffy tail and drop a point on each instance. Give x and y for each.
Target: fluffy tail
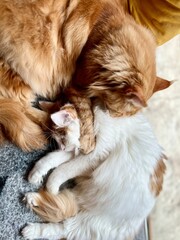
(55, 208)
(18, 128)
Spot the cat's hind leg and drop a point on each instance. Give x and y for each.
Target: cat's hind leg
(43, 230)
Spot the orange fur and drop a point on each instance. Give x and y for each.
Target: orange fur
(156, 180)
(41, 42)
(83, 108)
(30, 135)
(2, 137)
(55, 208)
(20, 122)
(43, 39)
(120, 66)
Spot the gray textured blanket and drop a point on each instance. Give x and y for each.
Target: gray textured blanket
(14, 167)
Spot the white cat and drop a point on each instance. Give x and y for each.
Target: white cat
(122, 178)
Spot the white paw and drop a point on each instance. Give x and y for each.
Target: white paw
(31, 199)
(35, 177)
(31, 231)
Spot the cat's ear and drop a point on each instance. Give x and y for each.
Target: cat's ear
(49, 107)
(136, 97)
(161, 84)
(61, 118)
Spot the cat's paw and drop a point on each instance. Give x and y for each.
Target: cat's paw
(31, 199)
(35, 177)
(31, 231)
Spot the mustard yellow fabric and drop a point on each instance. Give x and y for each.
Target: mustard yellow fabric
(162, 17)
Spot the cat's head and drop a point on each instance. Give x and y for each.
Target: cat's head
(66, 128)
(120, 69)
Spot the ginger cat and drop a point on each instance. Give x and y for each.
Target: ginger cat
(95, 46)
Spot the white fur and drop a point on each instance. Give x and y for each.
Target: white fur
(54, 159)
(62, 119)
(117, 198)
(73, 137)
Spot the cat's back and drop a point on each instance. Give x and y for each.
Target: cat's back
(29, 39)
(124, 178)
(20, 16)
(123, 128)
(42, 39)
(133, 144)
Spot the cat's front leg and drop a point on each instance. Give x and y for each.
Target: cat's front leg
(68, 170)
(46, 163)
(43, 230)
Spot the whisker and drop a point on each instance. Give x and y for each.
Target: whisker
(44, 125)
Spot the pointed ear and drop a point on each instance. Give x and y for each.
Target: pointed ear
(161, 84)
(61, 118)
(136, 97)
(45, 105)
(49, 107)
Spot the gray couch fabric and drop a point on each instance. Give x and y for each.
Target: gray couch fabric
(14, 167)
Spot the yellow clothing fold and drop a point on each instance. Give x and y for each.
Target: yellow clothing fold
(162, 17)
